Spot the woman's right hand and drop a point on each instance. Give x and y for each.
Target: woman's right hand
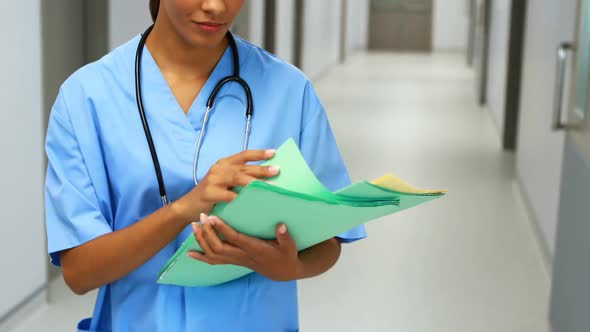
(114, 255)
(217, 185)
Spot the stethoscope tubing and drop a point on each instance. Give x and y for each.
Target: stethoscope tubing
(210, 105)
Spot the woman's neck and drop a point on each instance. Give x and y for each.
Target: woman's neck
(175, 55)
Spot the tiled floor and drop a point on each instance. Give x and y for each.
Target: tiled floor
(465, 263)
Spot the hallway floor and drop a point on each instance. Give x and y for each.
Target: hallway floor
(465, 263)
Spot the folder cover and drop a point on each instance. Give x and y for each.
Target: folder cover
(297, 198)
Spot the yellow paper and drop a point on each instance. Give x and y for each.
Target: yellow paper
(391, 182)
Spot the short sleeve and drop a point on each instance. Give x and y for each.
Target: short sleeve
(72, 212)
(319, 148)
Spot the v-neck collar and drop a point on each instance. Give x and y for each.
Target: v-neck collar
(166, 105)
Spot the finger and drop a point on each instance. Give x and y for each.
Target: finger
(237, 239)
(218, 250)
(201, 239)
(284, 238)
(260, 171)
(200, 257)
(210, 235)
(221, 250)
(232, 178)
(240, 179)
(250, 155)
(228, 249)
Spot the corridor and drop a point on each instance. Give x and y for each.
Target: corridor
(465, 263)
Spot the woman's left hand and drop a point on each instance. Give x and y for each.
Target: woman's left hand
(275, 259)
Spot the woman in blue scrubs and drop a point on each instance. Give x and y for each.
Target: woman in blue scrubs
(106, 225)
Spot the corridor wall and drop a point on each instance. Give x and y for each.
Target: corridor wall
(22, 239)
(320, 36)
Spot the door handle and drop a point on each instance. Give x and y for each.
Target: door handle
(563, 52)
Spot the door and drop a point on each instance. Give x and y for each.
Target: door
(472, 8)
(481, 47)
(570, 303)
(401, 25)
(512, 89)
(539, 150)
(63, 53)
(74, 33)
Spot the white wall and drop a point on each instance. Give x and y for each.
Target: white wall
(22, 235)
(357, 24)
(540, 150)
(450, 24)
(285, 34)
(127, 19)
(498, 59)
(321, 36)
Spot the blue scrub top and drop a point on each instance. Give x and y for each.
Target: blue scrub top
(101, 178)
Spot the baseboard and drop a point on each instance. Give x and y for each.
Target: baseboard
(535, 230)
(24, 309)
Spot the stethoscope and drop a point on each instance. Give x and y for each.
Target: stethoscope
(235, 77)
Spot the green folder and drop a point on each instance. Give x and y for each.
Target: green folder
(297, 198)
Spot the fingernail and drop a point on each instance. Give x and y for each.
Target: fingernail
(283, 229)
(203, 219)
(195, 227)
(270, 152)
(211, 220)
(273, 170)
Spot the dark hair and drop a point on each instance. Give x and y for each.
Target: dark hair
(154, 7)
